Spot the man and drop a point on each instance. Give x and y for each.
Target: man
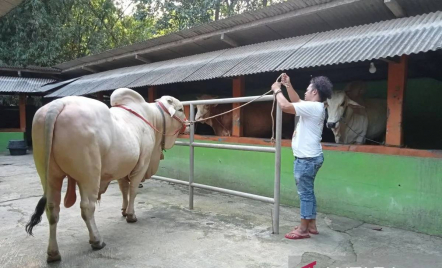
(306, 144)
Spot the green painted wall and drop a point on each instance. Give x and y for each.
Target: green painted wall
(6, 136)
(395, 191)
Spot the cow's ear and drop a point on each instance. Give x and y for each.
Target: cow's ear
(325, 104)
(354, 104)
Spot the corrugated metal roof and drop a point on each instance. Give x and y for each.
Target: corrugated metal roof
(54, 85)
(282, 20)
(178, 71)
(30, 68)
(373, 41)
(10, 84)
(241, 19)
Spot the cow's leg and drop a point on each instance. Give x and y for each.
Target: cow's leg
(133, 188)
(53, 197)
(124, 188)
(89, 194)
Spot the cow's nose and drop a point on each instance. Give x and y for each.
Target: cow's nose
(187, 130)
(331, 125)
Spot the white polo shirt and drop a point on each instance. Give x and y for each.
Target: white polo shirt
(306, 141)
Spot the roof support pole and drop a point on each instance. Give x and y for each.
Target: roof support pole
(152, 94)
(239, 85)
(22, 109)
(395, 8)
(100, 96)
(397, 81)
(187, 111)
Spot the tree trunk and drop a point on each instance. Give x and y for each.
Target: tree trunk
(217, 9)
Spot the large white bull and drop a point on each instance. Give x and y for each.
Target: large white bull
(84, 140)
(352, 122)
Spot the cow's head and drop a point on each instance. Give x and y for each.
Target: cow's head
(337, 108)
(203, 110)
(175, 119)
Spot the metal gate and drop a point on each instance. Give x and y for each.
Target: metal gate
(276, 150)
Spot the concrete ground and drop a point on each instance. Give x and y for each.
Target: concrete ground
(222, 231)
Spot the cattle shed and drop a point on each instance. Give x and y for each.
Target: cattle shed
(393, 47)
(21, 94)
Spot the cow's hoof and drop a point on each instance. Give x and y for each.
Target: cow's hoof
(53, 257)
(97, 245)
(131, 218)
(140, 185)
(123, 212)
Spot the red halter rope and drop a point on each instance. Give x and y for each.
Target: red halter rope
(180, 130)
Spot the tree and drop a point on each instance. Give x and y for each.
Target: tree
(171, 16)
(47, 32)
(44, 33)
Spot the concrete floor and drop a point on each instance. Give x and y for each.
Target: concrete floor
(222, 231)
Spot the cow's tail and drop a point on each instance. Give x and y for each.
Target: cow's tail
(52, 113)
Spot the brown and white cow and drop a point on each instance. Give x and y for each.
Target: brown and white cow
(256, 119)
(351, 122)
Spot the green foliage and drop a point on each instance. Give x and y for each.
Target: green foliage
(171, 16)
(47, 32)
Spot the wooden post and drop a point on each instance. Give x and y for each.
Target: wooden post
(187, 111)
(100, 96)
(239, 86)
(152, 94)
(22, 109)
(397, 81)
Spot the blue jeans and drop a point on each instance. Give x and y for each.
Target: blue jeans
(305, 170)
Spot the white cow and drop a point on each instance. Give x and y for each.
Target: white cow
(352, 122)
(84, 140)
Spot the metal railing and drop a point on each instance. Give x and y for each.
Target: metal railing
(276, 150)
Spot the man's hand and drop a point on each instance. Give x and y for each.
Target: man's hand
(285, 80)
(276, 86)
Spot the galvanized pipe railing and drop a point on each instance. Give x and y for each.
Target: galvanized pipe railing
(276, 150)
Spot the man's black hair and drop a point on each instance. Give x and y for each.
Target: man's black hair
(324, 87)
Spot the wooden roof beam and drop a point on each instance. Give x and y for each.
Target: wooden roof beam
(228, 40)
(395, 8)
(90, 69)
(143, 59)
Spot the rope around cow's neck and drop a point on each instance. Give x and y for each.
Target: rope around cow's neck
(239, 107)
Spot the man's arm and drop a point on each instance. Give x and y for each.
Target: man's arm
(286, 106)
(294, 97)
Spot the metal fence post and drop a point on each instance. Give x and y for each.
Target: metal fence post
(277, 170)
(192, 156)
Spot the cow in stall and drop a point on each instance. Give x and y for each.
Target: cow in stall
(256, 119)
(352, 118)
